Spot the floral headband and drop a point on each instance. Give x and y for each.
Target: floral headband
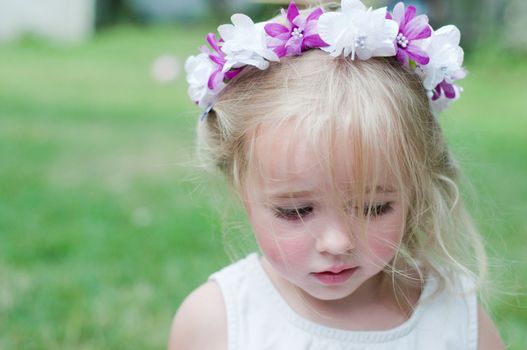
(355, 31)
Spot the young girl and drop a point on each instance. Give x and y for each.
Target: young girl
(325, 124)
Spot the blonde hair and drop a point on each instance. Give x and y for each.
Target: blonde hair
(380, 110)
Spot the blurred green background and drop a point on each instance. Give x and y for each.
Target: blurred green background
(106, 225)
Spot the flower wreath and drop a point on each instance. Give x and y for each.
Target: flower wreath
(355, 31)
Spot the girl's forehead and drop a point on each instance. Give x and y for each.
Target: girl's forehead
(282, 153)
(286, 159)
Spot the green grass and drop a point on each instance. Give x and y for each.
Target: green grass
(103, 230)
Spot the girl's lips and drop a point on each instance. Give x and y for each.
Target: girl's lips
(332, 278)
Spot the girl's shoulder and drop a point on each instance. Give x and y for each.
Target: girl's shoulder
(200, 322)
(488, 335)
(459, 302)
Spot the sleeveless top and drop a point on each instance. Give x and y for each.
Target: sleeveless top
(258, 318)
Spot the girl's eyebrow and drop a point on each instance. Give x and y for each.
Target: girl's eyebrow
(307, 193)
(288, 195)
(382, 189)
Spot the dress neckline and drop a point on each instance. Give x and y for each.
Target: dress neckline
(267, 286)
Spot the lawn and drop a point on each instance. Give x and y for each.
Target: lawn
(105, 223)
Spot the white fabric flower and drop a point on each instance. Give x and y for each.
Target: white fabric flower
(199, 69)
(245, 43)
(359, 31)
(446, 57)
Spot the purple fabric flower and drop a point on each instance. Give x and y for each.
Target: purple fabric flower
(298, 35)
(411, 29)
(217, 77)
(447, 89)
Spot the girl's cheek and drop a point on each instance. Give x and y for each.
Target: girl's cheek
(284, 250)
(384, 240)
(383, 246)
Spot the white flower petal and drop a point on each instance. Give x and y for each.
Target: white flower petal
(352, 5)
(242, 21)
(258, 63)
(432, 77)
(398, 12)
(226, 31)
(380, 35)
(384, 39)
(331, 27)
(451, 33)
(364, 54)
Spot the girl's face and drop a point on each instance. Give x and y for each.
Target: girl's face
(303, 237)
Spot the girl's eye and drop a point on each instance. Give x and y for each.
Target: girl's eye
(292, 213)
(376, 210)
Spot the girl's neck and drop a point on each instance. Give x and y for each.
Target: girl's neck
(376, 305)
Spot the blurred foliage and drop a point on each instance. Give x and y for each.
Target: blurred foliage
(114, 12)
(110, 12)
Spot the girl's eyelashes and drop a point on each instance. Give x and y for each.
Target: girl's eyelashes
(378, 209)
(292, 214)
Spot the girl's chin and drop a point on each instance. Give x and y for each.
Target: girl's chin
(325, 293)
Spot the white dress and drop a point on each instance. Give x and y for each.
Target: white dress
(258, 318)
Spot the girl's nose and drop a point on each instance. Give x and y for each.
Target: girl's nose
(335, 239)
